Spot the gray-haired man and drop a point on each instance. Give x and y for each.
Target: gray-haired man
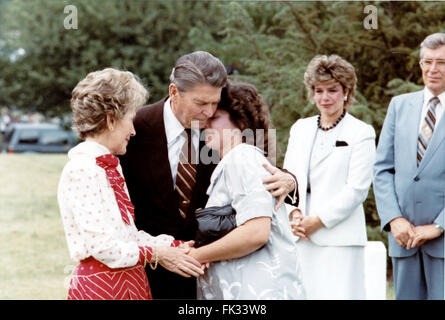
(409, 180)
(152, 166)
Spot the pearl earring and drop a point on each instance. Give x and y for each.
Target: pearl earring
(346, 98)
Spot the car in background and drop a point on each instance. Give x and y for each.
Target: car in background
(37, 138)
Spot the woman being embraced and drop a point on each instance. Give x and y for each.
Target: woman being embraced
(97, 213)
(257, 259)
(332, 156)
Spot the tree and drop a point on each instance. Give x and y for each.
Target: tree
(271, 43)
(145, 37)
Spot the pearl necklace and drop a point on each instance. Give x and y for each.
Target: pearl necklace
(335, 123)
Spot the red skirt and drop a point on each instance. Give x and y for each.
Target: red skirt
(92, 280)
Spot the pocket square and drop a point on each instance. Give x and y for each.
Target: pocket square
(341, 143)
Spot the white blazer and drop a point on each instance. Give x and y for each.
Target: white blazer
(340, 179)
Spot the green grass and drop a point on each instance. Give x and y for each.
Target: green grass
(390, 291)
(34, 259)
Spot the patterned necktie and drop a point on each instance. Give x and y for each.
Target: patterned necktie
(427, 129)
(109, 163)
(186, 177)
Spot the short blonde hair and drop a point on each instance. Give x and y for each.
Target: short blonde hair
(324, 68)
(106, 92)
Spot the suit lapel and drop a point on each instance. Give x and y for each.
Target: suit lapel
(411, 124)
(413, 121)
(436, 140)
(311, 131)
(158, 163)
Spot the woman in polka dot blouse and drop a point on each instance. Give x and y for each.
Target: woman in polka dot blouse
(97, 214)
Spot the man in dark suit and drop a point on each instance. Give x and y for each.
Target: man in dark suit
(152, 166)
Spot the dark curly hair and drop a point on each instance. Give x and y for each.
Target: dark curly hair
(247, 110)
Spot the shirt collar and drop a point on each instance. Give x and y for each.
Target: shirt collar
(428, 95)
(89, 148)
(173, 128)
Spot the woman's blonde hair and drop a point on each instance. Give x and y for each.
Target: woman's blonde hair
(324, 68)
(107, 92)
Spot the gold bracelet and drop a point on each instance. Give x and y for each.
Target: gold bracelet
(145, 256)
(156, 258)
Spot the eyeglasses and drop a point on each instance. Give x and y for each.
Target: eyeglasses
(428, 63)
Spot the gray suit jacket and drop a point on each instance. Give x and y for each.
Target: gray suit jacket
(401, 188)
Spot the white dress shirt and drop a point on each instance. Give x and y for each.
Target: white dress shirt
(90, 214)
(175, 139)
(427, 95)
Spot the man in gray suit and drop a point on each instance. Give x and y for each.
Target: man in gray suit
(409, 180)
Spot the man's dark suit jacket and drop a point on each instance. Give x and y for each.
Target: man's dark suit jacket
(146, 169)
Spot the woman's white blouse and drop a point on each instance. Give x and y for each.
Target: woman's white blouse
(90, 214)
(324, 140)
(238, 180)
(273, 271)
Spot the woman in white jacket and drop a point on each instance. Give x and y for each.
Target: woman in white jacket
(332, 155)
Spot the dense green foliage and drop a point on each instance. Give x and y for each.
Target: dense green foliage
(268, 43)
(145, 37)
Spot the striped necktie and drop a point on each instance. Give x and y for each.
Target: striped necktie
(186, 177)
(427, 129)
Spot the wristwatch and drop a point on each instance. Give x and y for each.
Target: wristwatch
(438, 227)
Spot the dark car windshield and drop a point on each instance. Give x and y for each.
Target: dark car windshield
(32, 138)
(28, 136)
